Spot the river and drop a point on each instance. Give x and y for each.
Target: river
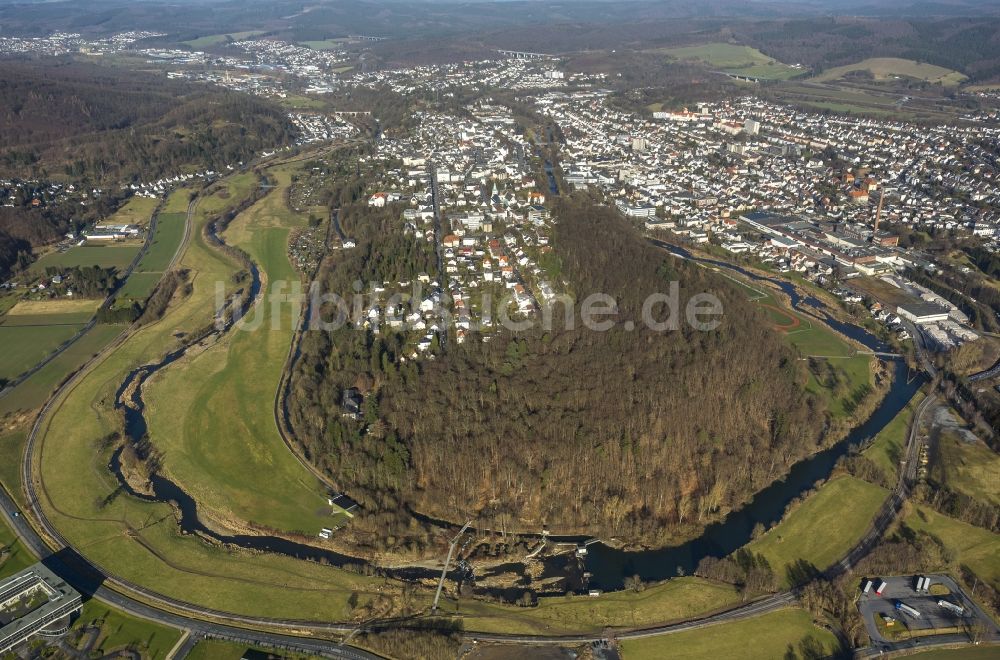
(608, 566)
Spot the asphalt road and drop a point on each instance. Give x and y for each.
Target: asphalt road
(107, 301)
(900, 588)
(95, 581)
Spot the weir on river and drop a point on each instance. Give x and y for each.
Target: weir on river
(608, 566)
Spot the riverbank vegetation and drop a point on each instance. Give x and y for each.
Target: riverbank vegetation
(821, 529)
(580, 423)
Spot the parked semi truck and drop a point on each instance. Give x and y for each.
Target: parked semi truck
(906, 609)
(951, 607)
(880, 586)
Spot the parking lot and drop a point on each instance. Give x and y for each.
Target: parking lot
(932, 617)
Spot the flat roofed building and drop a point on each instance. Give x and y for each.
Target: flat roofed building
(922, 313)
(31, 601)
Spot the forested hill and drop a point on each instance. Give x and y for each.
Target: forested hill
(635, 434)
(103, 127)
(108, 125)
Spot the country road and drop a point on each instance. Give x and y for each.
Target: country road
(153, 220)
(56, 551)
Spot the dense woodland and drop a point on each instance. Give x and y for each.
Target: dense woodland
(640, 434)
(58, 119)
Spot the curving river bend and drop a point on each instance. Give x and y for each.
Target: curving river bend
(608, 567)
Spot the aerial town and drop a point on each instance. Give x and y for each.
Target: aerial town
(282, 368)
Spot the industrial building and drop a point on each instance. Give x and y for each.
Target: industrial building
(34, 601)
(922, 313)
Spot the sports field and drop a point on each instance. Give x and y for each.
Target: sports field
(764, 638)
(824, 527)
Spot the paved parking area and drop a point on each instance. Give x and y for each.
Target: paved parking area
(932, 616)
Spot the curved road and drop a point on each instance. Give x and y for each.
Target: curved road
(153, 220)
(149, 605)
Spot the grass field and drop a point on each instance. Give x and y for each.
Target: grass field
(968, 467)
(887, 448)
(215, 39)
(299, 102)
(974, 546)
(138, 540)
(138, 287)
(824, 527)
(676, 599)
(217, 649)
(32, 392)
(137, 211)
(15, 557)
(177, 201)
(12, 448)
(734, 58)
(212, 415)
(971, 653)
(886, 68)
(325, 44)
(813, 338)
(108, 256)
(120, 631)
(60, 307)
(24, 346)
(169, 231)
(765, 637)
